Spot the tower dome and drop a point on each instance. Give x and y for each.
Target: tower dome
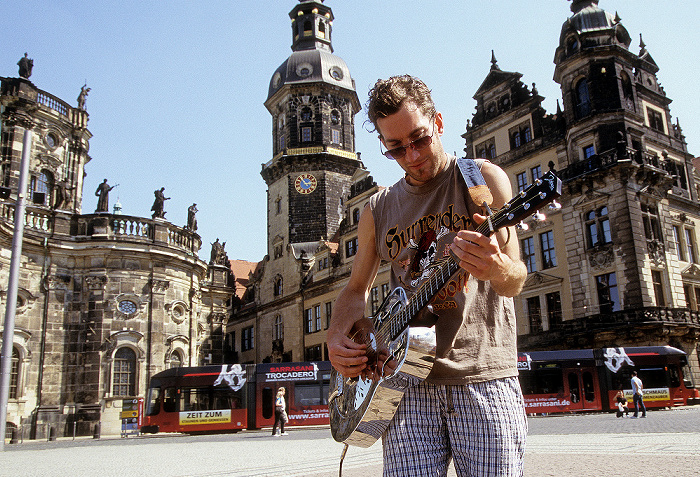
(312, 59)
(590, 26)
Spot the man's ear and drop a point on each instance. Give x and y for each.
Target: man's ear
(438, 123)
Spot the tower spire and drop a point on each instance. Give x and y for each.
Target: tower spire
(312, 22)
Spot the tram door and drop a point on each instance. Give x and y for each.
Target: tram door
(584, 392)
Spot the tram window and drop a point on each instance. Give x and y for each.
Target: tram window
(541, 381)
(208, 399)
(325, 392)
(307, 394)
(153, 402)
(674, 376)
(170, 400)
(653, 377)
(687, 377)
(267, 403)
(588, 388)
(573, 387)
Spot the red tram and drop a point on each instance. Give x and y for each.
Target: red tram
(588, 379)
(197, 399)
(228, 398)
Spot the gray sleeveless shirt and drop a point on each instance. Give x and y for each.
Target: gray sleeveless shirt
(414, 226)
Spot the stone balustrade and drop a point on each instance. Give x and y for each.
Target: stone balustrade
(41, 221)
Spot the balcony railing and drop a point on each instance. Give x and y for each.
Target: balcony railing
(43, 221)
(608, 159)
(35, 218)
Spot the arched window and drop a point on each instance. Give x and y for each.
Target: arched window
(598, 227)
(306, 114)
(278, 286)
(307, 28)
(124, 372)
(626, 85)
(175, 359)
(41, 187)
(14, 374)
(355, 216)
(321, 30)
(583, 99)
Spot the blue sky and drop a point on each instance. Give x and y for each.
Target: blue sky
(178, 86)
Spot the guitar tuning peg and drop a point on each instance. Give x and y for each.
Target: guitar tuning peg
(538, 217)
(522, 226)
(554, 206)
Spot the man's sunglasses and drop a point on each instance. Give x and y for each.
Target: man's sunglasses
(417, 144)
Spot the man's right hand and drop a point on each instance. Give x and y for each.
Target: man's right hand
(347, 357)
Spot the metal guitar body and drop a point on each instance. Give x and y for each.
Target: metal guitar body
(361, 409)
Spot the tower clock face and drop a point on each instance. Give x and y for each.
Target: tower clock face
(305, 183)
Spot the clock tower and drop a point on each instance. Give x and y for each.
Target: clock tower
(313, 103)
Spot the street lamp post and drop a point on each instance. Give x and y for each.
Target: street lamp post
(12, 286)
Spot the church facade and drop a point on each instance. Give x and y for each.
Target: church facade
(104, 300)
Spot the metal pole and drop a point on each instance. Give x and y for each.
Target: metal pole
(8, 333)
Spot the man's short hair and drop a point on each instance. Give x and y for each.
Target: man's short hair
(387, 97)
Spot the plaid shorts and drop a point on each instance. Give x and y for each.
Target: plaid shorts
(482, 426)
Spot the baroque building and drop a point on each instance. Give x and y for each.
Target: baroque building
(616, 262)
(105, 300)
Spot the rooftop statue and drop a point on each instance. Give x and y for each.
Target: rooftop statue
(25, 66)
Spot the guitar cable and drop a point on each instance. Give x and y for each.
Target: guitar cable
(342, 456)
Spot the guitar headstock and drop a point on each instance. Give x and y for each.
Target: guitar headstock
(543, 191)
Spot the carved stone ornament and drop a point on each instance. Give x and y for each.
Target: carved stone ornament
(56, 282)
(601, 258)
(196, 293)
(96, 283)
(217, 318)
(656, 251)
(159, 286)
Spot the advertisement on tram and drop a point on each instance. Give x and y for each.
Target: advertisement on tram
(307, 392)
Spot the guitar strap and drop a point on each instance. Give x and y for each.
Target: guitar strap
(476, 185)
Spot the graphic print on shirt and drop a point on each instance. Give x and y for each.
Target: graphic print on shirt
(424, 261)
(420, 243)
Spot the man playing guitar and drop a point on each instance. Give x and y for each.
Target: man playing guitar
(470, 407)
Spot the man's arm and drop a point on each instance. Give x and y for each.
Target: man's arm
(346, 356)
(495, 258)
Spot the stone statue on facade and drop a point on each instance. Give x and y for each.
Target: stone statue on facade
(103, 193)
(191, 219)
(84, 90)
(61, 197)
(25, 66)
(218, 254)
(158, 207)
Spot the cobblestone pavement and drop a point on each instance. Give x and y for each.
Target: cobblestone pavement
(665, 443)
